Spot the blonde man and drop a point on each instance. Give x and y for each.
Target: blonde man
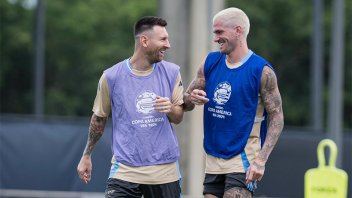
(240, 94)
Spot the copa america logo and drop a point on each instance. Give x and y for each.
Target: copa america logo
(222, 93)
(145, 102)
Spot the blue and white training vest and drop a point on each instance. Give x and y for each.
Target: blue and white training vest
(233, 98)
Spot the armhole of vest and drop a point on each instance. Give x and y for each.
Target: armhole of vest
(177, 71)
(111, 81)
(210, 61)
(270, 66)
(206, 66)
(108, 81)
(263, 128)
(172, 76)
(260, 74)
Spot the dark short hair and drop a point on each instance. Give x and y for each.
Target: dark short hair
(147, 23)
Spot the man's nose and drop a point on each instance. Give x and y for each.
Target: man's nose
(215, 38)
(168, 45)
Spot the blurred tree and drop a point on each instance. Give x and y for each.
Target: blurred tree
(86, 37)
(281, 31)
(83, 38)
(16, 58)
(347, 97)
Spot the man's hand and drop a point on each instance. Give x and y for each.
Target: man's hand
(255, 171)
(198, 97)
(84, 168)
(173, 112)
(162, 104)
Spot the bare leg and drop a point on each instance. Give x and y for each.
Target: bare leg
(210, 196)
(237, 192)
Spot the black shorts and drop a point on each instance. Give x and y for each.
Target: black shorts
(122, 189)
(217, 184)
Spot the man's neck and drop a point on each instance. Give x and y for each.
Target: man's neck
(140, 63)
(237, 55)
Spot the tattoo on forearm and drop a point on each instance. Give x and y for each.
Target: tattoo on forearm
(272, 102)
(197, 83)
(259, 167)
(237, 192)
(96, 130)
(200, 81)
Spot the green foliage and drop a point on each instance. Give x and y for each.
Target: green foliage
(15, 58)
(83, 37)
(281, 32)
(86, 37)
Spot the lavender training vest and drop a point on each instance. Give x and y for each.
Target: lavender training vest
(141, 136)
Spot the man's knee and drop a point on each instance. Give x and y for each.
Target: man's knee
(237, 192)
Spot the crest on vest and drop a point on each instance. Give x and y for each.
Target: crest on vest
(222, 93)
(145, 102)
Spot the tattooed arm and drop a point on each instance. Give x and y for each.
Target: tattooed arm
(195, 94)
(96, 129)
(270, 95)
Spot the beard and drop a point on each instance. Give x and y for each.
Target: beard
(227, 48)
(154, 56)
(154, 59)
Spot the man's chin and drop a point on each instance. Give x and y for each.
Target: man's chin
(156, 60)
(160, 59)
(223, 51)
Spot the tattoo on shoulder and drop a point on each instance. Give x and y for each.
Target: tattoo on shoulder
(269, 91)
(269, 79)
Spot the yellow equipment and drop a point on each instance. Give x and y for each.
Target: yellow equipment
(326, 181)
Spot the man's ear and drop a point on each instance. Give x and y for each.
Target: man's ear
(143, 40)
(238, 30)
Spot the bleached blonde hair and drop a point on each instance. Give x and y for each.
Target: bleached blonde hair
(234, 17)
